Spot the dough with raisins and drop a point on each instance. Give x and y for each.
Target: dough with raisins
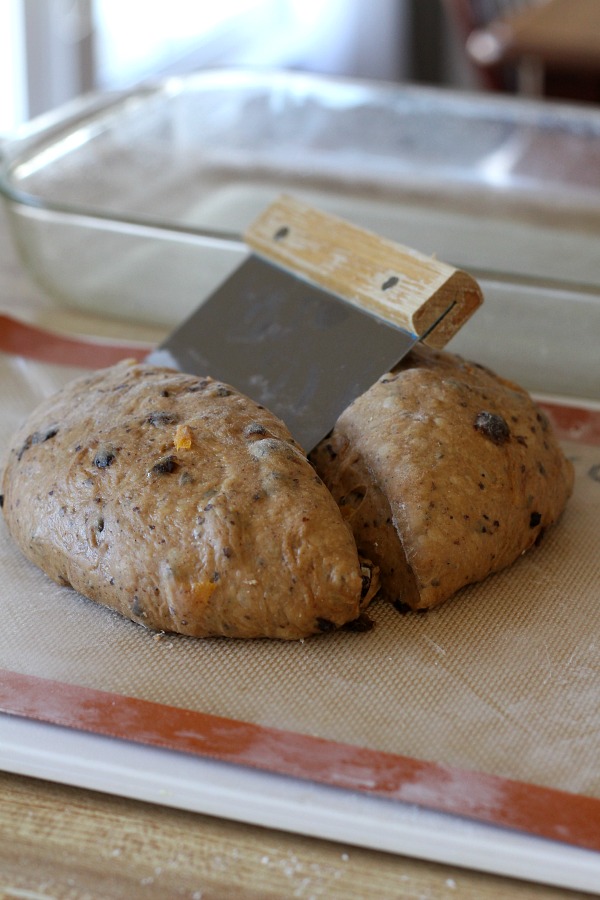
(445, 473)
(183, 505)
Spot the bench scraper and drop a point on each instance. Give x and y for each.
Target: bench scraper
(316, 314)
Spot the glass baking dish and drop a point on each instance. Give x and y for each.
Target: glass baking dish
(132, 205)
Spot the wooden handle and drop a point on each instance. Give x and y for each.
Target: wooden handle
(393, 282)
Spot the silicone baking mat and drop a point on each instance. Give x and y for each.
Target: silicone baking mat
(488, 707)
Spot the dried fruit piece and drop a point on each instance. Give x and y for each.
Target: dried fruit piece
(492, 426)
(183, 438)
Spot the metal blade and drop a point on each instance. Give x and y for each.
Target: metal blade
(287, 344)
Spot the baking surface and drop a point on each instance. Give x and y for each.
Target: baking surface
(66, 842)
(474, 670)
(504, 679)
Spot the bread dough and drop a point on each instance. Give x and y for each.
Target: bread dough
(183, 505)
(445, 473)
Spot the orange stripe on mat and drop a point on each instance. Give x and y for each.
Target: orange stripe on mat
(561, 816)
(574, 423)
(23, 339)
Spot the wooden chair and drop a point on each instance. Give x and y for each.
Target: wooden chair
(486, 41)
(484, 47)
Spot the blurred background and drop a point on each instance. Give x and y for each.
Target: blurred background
(53, 50)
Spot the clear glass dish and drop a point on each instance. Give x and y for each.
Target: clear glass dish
(132, 205)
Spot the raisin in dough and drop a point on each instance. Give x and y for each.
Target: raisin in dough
(183, 505)
(446, 473)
